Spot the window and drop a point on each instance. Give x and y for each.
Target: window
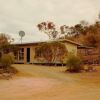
(21, 54)
(16, 55)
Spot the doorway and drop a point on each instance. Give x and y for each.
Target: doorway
(28, 55)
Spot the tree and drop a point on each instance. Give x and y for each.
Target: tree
(53, 52)
(5, 43)
(88, 34)
(91, 36)
(59, 52)
(84, 23)
(72, 31)
(83, 32)
(4, 39)
(48, 28)
(67, 31)
(6, 55)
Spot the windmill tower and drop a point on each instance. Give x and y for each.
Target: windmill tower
(21, 34)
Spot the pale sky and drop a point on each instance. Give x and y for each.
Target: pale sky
(16, 15)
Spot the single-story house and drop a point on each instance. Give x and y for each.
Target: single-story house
(26, 53)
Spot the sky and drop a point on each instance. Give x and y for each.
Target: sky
(16, 15)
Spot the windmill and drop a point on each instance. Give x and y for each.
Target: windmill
(21, 34)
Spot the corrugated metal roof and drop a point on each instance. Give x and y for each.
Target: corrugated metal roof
(56, 40)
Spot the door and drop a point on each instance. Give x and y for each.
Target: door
(28, 55)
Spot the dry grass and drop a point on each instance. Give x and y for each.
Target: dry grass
(50, 83)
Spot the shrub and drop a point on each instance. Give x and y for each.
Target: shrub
(7, 60)
(74, 63)
(51, 52)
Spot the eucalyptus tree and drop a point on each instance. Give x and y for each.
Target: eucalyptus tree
(49, 29)
(5, 43)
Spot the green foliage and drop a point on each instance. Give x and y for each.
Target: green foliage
(74, 63)
(7, 60)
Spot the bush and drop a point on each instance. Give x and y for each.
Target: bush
(7, 60)
(74, 63)
(52, 52)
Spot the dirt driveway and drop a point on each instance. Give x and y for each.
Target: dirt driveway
(45, 83)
